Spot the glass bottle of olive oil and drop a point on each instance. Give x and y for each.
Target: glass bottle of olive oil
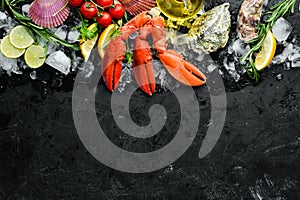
(178, 10)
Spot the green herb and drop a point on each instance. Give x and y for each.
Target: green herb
(85, 33)
(34, 29)
(277, 11)
(128, 56)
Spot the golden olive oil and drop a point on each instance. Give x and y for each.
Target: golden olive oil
(178, 10)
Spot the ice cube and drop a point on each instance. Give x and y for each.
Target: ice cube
(33, 75)
(296, 63)
(287, 66)
(58, 60)
(3, 19)
(77, 62)
(238, 47)
(51, 47)
(282, 29)
(294, 53)
(16, 69)
(281, 58)
(211, 68)
(126, 78)
(134, 35)
(11, 23)
(61, 32)
(73, 36)
(25, 9)
(87, 68)
(230, 67)
(181, 43)
(8, 64)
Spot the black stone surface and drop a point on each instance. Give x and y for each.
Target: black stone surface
(256, 157)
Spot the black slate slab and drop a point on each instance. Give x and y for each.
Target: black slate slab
(256, 157)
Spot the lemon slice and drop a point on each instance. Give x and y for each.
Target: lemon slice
(35, 56)
(9, 50)
(86, 46)
(266, 53)
(104, 39)
(20, 38)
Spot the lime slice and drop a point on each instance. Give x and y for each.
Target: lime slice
(20, 38)
(8, 50)
(35, 56)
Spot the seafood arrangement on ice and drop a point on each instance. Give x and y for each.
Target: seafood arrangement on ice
(180, 69)
(181, 25)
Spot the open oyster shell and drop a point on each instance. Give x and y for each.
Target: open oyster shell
(211, 30)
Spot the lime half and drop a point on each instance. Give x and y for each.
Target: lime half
(35, 56)
(20, 38)
(8, 50)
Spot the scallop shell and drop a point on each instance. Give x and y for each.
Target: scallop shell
(49, 13)
(135, 7)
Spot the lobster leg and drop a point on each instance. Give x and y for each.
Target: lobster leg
(180, 69)
(112, 63)
(142, 66)
(111, 67)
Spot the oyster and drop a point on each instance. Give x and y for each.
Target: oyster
(248, 19)
(211, 30)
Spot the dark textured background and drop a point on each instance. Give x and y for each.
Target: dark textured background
(257, 156)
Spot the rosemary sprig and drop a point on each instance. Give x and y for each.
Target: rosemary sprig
(277, 11)
(33, 29)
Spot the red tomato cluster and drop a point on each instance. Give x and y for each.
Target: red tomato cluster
(103, 10)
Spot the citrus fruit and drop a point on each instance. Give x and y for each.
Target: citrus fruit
(35, 56)
(266, 53)
(20, 38)
(9, 50)
(104, 39)
(86, 46)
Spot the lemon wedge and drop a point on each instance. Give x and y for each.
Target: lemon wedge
(104, 39)
(35, 56)
(266, 53)
(86, 46)
(20, 38)
(8, 50)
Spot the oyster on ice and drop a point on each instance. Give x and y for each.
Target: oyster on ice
(211, 30)
(249, 18)
(208, 33)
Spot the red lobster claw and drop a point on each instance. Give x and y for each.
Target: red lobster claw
(142, 66)
(180, 69)
(111, 67)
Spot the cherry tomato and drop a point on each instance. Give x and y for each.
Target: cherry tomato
(75, 3)
(104, 3)
(117, 11)
(88, 10)
(104, 19)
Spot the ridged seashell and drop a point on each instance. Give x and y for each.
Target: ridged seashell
(135, 7)
(49, 13)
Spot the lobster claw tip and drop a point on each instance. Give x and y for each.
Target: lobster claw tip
(182, 70)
